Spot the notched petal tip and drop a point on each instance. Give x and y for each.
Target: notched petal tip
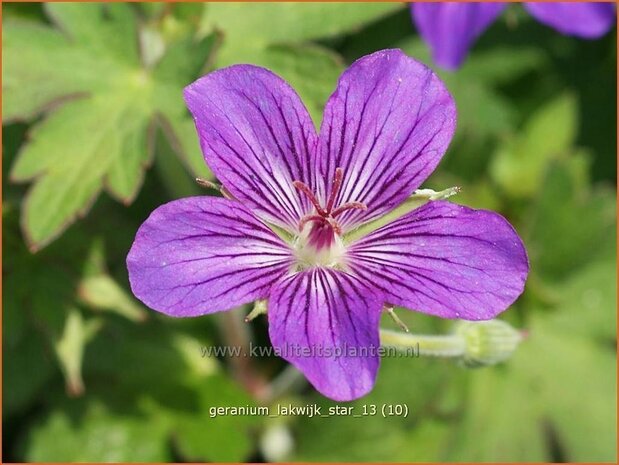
(257, 137)
(389, 122)
(325, 322)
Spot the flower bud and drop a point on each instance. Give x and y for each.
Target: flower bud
(487, 342)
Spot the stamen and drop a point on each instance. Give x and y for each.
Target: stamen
(310, 195)
(336, 227)
(390, 310)
(307, 218)
(337, 183)
(213, 185)
(348, 206)
(326, 215)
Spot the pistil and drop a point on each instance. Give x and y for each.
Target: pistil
(328, 214)
(318, 241)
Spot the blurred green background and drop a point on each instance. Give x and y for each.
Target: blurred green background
(96, 136)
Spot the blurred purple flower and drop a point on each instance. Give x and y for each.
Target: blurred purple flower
(451, 28)
(384, 131)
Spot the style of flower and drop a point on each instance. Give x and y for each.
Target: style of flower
(451, 28)
(384, 131)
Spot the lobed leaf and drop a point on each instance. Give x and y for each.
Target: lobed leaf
(102, 139)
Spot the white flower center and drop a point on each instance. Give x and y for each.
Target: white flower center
(319, 245)
(319, 242)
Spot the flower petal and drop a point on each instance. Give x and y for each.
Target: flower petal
(585, 20)
(322, 311)
(451, 28)
(446, 260)
(257, 137)
(204, 254)
(387, 126)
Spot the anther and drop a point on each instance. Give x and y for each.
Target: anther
(327, 214)
(337, 183)
(348, 206)
(390, 310)
(213, 185)
(336, 227)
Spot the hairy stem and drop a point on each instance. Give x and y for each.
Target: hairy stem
(451, 345)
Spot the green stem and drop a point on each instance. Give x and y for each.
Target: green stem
(451, 345)
(474, 343)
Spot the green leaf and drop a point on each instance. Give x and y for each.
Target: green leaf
(228, 436)
(591, 291)
(178, 174)
(44, 292)
(252, 25)
(502, 65)
(519, 165)
(416, 382)
(30, 364)
(556, 399)
(47, 71)
(33, 11)
(70, 349)
(161, 373)
(74, 152)
(249, 35)
(482, 110)
(101, 292)
(542, 392)
(496, 402)
(592, 438)
(102, 137)
(90, 432)
(570, 224)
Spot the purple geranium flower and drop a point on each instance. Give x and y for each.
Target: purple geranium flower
(451, 28)
(384, 130)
